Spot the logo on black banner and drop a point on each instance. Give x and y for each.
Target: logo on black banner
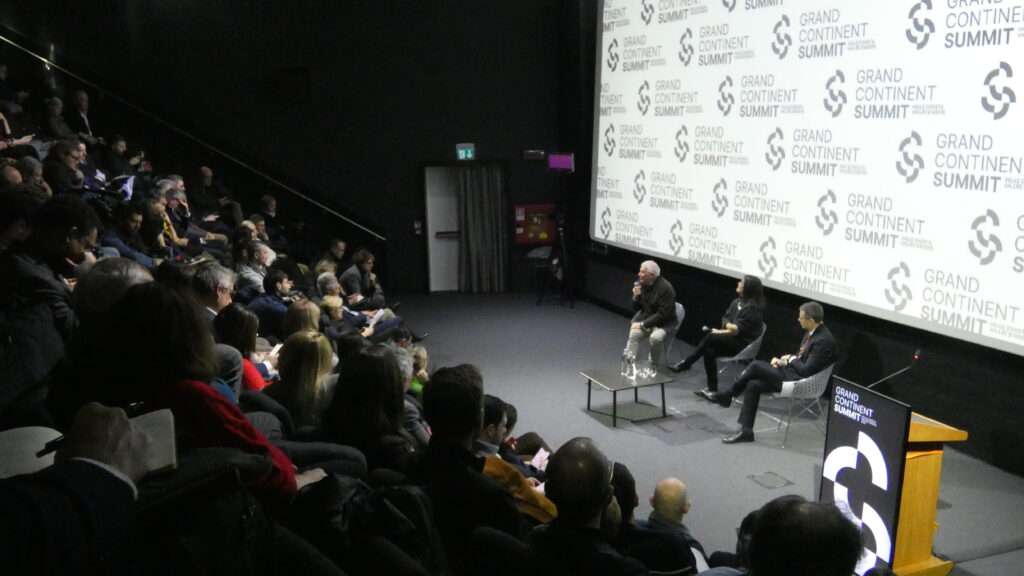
(999, 96)
(776, 153)
(609, 140)
(826, 219)
(921, 26)
(725, 97)
(846, 458)
(682, 147)
(686, 47)
(606, 223)
(640, 186)
(985, 245)
(730, 5)
(782, 41)
(768, 263)
(643, 100)
(898, 293)
(835, 96)
(613, 54)
(675, 242)
(646, 11)
(720, 203)
(910, 162)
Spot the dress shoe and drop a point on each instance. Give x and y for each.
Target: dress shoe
(723, 400)
(419, 337)
(741, 436)
(704, 393)
(680, 366)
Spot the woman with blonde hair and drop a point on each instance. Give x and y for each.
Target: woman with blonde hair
(302, 316)
(306, 384)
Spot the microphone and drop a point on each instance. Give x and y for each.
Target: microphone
(913, 361)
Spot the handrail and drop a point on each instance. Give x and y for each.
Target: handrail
(188, 135)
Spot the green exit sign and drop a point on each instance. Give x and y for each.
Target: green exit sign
(465, 151)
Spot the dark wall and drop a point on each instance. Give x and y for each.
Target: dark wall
(978, 389)
(345, 100)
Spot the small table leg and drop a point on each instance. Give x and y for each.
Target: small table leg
(589, 388)
(615, 404)
(636, 394)
(664, 413)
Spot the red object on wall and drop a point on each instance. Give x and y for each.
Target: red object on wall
(535, 224)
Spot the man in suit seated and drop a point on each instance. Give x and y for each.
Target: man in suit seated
(817, 351)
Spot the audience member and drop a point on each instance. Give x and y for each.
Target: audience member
(236, 326)
(213, 285)
(412, 420)
(302, 316)
(16, 209)
(124, 235)
(78, 119)
(306, 386)
(579, 483)
(54, 125)
(360, 283)
(738, 564)
(31, 171)
(117, 162)
(251, 263)
(794, 537)
(663, 543)
(335, 253)
(60, 170)
(272, 305)
(12, 146)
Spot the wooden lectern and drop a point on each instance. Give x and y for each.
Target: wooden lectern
(920, 496)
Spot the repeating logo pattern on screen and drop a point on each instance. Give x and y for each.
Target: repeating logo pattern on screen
(835, 96)
(640, 186)
(682, 147)
(609, 140)
(898, 293)
(606, 223)
(826, 219)
(910, 162)
(686, 47)
(767, 263)
(776, 153)
(725, 96)
(921, 26)
(646, 11)
(720, 202)
(730, 5)
(643, 98)
(613, 54)
(782, 40)
(984, 245)
(675, 241)
(846, 458)
(999, 96)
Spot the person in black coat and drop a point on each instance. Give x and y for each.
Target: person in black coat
(741, 325)
(654, 300)
(360, 283)
(817, 352)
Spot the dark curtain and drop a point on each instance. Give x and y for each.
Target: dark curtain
(482, 219)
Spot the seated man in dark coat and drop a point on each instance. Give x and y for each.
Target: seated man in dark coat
(272, 305)
(125, 237)
(579, 483)
(817, 352)
(360, 283)
(663, 542)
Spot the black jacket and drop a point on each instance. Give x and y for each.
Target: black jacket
(656, 305)
(819, 352)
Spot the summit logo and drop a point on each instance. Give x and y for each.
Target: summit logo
(910, 163)
(609, 140)
(675, 241)
(898, 293)
(686, 47)
(606, 223)
(613, 55)
(782, 40)
(640, 186)
(725, 96)
(826, 219)
(643, 98)
(730, 5)
(776, 153)
(985, 245)
(646, 11)
(835, 96)
(682, 147)
(768, 262)
(720, 203)
(921, 26)
(999, 97)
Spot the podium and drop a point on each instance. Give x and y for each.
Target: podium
(921, 474)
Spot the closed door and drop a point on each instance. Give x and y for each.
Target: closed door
(443, 234)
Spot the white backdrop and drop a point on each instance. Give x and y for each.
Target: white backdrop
(867, 153)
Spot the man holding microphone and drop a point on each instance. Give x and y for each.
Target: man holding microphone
(654, 300)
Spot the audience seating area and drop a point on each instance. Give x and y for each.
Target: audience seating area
(312, 434)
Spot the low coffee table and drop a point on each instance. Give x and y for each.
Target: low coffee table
(610, 380)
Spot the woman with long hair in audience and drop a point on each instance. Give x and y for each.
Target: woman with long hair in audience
(368, 408)
(172, 366)
(302, 316)
(236, 326)
(741, 325)
(306, 384)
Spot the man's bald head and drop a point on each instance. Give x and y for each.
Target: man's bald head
(670, 500)
(579, 482)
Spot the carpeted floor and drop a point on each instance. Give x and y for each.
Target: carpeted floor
(531, 355)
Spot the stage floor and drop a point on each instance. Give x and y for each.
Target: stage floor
(531, 355)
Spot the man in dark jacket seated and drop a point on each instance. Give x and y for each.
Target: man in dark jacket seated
(663, 542)
(817, 352)
(272, 305)
(125, 237)
(579, 483)
(654, 300)
(360, 283)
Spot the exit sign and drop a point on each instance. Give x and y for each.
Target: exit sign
(465, 151)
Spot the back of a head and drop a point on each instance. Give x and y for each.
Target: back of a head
(60, 218)
(237, 327)
(494, 410)
(670, 499)
(211, 277)
(625, 491)
(453, 403)
(579, 482)
(304, 363)
(302, 315)
(104, 284)
(369, 400)
(794, 537)
(177, 343)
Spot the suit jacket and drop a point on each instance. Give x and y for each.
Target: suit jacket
(354, 281)
(818, 352)
(71, 518)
